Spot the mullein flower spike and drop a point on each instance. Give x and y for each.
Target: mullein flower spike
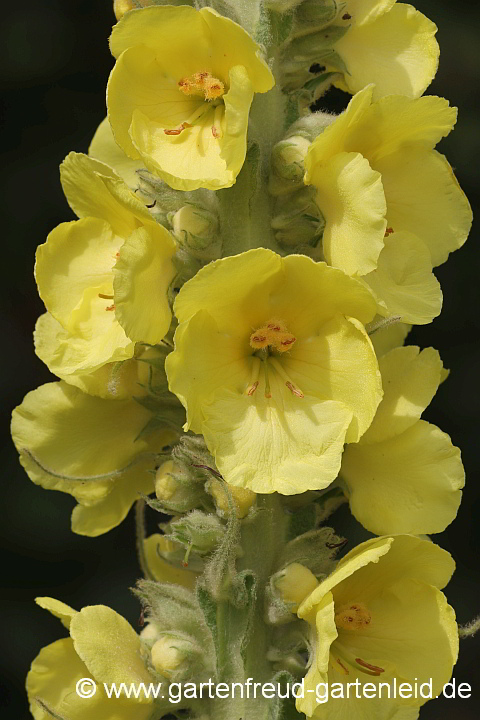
(227, 318)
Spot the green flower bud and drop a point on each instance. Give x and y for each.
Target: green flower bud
(298, 219)
(288, 168)
(198, 531)
(197, 230)
(315, 14)
(176, 490)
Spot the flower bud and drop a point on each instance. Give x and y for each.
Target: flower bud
(288, 158)
(120, 7)
(242, 498)
(171, 656)
(294, 583)
(176, 490)
(197, 229)
(298, 219)
(314, 14)
(198, 531)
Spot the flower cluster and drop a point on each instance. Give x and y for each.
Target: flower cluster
(227, 319)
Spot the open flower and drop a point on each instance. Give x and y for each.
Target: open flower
(99, 451)
(274, 367)
(102, 648)
(380, 617)
(392, 206)
(179, 95)
(404, 475)
(366, 41)
(103, 278)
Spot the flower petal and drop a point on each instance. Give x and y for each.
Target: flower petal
(408, 484)
(351, 198)
(283, 444)
(404, 282)
(77, 443)
(366, 11)
(424, 197)
(104, 148)
(59, 609)
(142, 275)
(339, 364)
(109, 647)
(410, 379)
(397, 51)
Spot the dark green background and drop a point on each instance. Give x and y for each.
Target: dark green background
(54, 63)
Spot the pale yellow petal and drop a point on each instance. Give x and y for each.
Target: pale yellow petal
(410, 483)
(389, 337)
(351, 198)
(410, 379)
(424, 197)
(142, 275)
(110, 648)
(404, 282)
(366, 11)
(397, 51)
(77, 256)
(77, 443)
(283, 444)
(205, 360)
(104, 148)
(74, 356)
(339, 364)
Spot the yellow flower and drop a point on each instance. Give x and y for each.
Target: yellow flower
(404, 475)
(379, 618)
(387, 43)
(180, 93)
(102, 647)
(103, 278)
(392, 206)
(88, 447)
(274, 367)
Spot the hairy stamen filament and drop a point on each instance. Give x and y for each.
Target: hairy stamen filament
(290, 385)
(253, 384)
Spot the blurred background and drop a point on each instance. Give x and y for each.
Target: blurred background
(54, 64)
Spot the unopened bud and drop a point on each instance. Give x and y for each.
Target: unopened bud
(165, 482)
(314, 14)
(197, 229)
(288, 158)
(198, 531)
(298, 220)
(241, 498)
(171, 656)
(294, 583)
(120, 7)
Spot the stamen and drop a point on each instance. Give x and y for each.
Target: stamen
(105, 297)
(202, 83)
(389, 231)
(290, 385)
(253, 384)
(110, 307)
(375, 670)
(343, 669)
(268, 392)
(354, 616)
(177, 131)
(217, 122)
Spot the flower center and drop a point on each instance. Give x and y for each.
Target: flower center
(354, 616)
(202, 83)
(273, 337)
(205, 85)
